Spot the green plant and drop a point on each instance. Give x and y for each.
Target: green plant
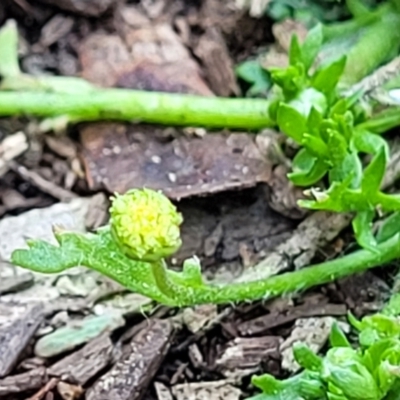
(369, 372)
(133, 255)
(333, 133)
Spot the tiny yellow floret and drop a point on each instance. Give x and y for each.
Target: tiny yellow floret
(145, 224)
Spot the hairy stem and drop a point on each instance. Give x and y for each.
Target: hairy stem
(164, 284)
(299, 280)
(132, 105)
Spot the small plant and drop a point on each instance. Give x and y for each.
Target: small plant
(333, 134)
(369, 372)
(133, 254)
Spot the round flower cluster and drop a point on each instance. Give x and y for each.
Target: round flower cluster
(145, 224)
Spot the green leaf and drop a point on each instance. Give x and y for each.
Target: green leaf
(253, 73)
(362, 226)
(354, 322)
(97, 251)
(307, 169)
(339, 148)
(307, 99)
(389, 227)
(314, 121)
(306, 385)
(315, 146)
(291, 122)
(326, 78)
(312, 45)
(295, 56)
(337, 338)
(291, 79)
(9, 67)
(306, 357)
(349, 167)
(373, 173)
(340, 107)
(368, 142)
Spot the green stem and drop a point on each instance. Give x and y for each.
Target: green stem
(100, 253)
(347, 28)
(291, 282)
(383, 121)
(164, 284)
(132, 105)
(376, 44)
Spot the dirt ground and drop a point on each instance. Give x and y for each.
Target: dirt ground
(79, 335)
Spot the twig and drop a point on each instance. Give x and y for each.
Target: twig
(43, 184)
(51, 384)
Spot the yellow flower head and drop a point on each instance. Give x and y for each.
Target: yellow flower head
(145, 224)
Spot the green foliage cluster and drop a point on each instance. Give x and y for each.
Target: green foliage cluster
(370, 372)
(333, 139)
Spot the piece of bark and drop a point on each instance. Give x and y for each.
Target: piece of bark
(68, 391)
(15, 336)
(31, 380)
(45, 390)
(263, 324)
(131, 375)
(89, 8)
(214, 390)
(15, 283)
(182, 168)
(244, 356)
(85, 363)
(149, 57)
(218, 64)
(313, 233)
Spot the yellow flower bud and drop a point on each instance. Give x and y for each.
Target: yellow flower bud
(145, 224)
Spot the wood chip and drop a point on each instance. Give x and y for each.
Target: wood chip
(131, 375)
(163, 393)
(244, 356)
(314, 332)
(11, 147)
(218, 64)
(263, 324)
(15, 283)
(68, 391)
(181, 168)
(31, 380)
(43, 184)
(85, 363)
(50, 385)
(15, 336)
(206, 391)
(90, 8)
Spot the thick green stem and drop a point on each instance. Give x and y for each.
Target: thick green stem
(131, 105)
(376, 44)
(291, 282)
